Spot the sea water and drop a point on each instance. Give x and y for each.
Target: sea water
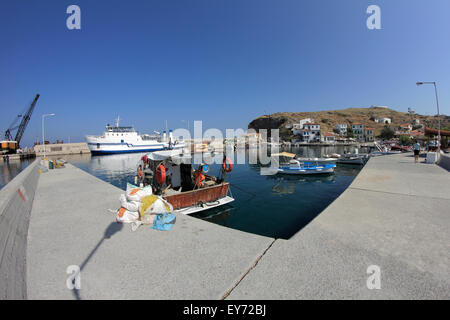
(275, 206)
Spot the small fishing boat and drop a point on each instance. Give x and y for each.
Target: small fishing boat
(318, 160)
(286, 156)
(359, 159)
(171, 175)
(289, 164)
(300, 168)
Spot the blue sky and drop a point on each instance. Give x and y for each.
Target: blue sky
(221, 61)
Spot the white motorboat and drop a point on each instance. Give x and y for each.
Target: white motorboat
(353, 159)
(318, 160)
(305, 168)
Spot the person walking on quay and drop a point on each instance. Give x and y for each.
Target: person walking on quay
(416, 147)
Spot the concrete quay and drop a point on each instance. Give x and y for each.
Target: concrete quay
(70, 225)
(16, 200)
(394, 215)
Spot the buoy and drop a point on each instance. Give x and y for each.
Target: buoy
(161, 174)
(226, 168)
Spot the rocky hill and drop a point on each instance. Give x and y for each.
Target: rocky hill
(328, 119)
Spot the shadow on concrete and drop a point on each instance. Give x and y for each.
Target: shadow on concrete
(112, 229)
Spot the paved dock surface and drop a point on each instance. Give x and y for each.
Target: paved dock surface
(70, 225)
(394, 215)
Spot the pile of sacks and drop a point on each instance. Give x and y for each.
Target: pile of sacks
(139, 206)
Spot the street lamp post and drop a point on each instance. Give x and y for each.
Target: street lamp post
(43, 137)
(439, 117)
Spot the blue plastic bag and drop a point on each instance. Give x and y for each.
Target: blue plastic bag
(164, 222)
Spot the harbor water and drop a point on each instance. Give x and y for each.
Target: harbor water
(274, 206)
(10, 169)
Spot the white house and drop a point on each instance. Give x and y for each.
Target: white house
(313, 132)
(298, 127)
(341, 128)
(383, 120)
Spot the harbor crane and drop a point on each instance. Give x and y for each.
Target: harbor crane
(23, 124)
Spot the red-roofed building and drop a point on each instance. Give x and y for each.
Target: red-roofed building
(406, 127)
(328, 137)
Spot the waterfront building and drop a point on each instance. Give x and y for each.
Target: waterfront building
(368, 134)
(304, 135)
(358, 131)
(313, 132)
(413, 134)
(328, 137)
(254, 137)
(341, 128)
(299, 126)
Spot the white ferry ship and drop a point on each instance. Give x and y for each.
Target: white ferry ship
(117, 139)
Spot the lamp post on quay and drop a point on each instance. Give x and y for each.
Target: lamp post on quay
(43, 137)
(439, 117)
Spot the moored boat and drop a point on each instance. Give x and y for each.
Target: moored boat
(306, 168)
(359, 159)
(119, 139)
(290, 164)
(171, 175)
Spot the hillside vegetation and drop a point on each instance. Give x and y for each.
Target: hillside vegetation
(328, 119)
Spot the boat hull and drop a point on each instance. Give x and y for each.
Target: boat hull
(308, 170)
(200, 199)
(351, 161)
(195, 209)
(305, 172)
(103, 148)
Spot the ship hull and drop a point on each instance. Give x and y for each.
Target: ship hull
(98, 148)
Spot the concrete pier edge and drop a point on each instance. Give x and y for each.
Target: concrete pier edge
(16, 200)
(444, 161)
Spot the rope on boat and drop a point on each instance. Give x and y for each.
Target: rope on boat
(253, 195)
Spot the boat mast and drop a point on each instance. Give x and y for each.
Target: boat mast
(117, 121)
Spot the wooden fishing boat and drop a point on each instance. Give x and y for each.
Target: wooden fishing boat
(172, 176)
